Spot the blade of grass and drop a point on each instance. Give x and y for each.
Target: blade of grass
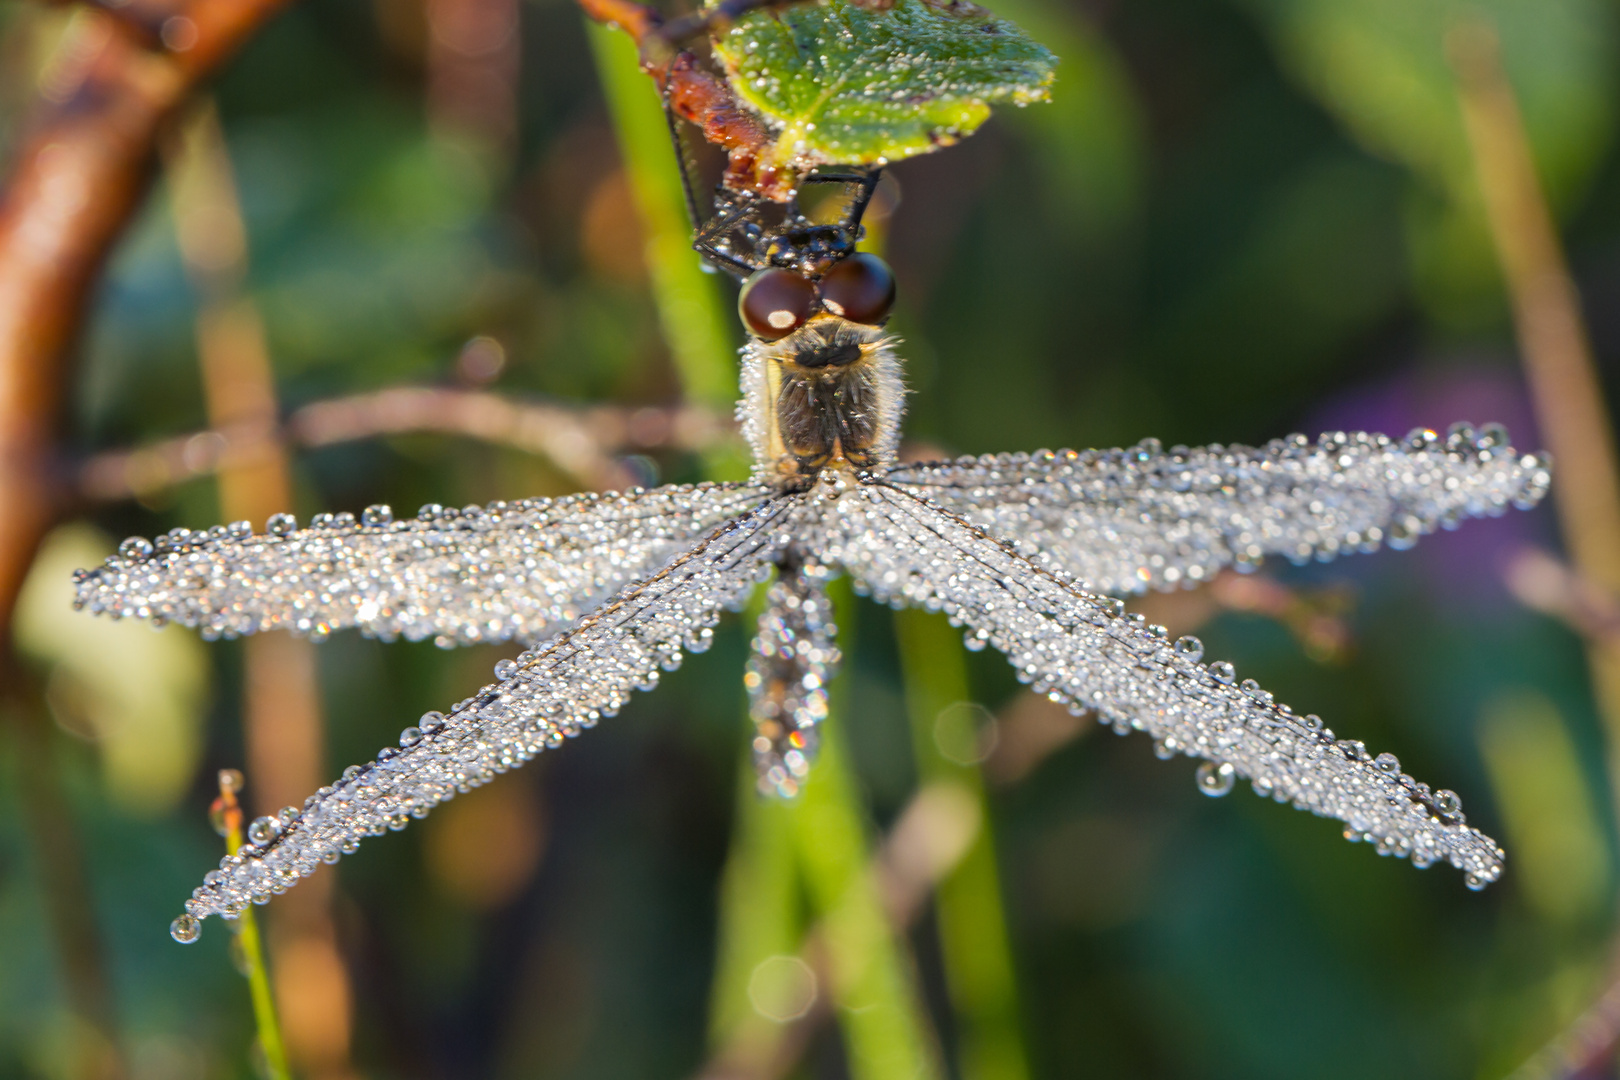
(697, 325)
(759, 906)
(972, 923)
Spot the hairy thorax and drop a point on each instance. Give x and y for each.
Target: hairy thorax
(827, 396)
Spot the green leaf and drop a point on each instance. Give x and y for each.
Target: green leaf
(844, 84)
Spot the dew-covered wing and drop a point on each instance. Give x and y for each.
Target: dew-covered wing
(1126, 520)
(541, 699)
(507, 570)
(1081, 649)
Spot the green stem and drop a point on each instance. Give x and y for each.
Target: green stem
(881, 1012)
(698, 328)
(258, 973)
(972, 923)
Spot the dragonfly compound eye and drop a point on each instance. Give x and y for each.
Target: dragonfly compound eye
(860, 288)
(775, 302)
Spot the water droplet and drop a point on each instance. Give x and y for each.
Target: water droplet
(1189, 647)
(185, 929)
(1492, 437)
(410, 737)
(230, 780)
(281, 524)
(1404, 532)
(377, 514)
(1163, 750)
(263, 830)
(1222, 671)
(1216, 778)
(1476, 882)
(505, 669)
(239, 530)
(1420, 439)
(1388, 763)
(136, 547)
(1447, 802)
(432, 722)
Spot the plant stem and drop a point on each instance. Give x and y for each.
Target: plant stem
(972, 923)
(880, 1010)
(697, 326)
(1557, 354)
(229, 811)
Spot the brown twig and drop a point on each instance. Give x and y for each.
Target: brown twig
(697, 95)
(1547, 584)
(78, 174)
(581, 442)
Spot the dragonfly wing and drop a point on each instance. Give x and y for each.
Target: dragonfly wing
(1080, 649)
(520, 570)
(579, 677)
(1127, 520)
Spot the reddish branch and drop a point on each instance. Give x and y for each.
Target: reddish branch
(697, 95)
(77, 177)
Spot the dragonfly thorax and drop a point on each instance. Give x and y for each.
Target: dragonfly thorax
(827, 396)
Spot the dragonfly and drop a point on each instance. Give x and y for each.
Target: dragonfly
(1028, 553)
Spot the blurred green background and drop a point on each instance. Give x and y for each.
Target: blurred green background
(1238, 219)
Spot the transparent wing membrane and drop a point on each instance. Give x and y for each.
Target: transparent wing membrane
(538, 701)
(795, 654)
(1126, 520)
(519, 570)
(1083, 650)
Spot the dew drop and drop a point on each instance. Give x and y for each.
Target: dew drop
(505, 669)
(1447, 802)
(185, 929)
(1189, 647)
(377, 514)
(263, 830)
(1223, 671)
(410, 737)
(1476, 882)
(431, 722)
(136, 547)
(1387, 763)
(230, 780)
(281, 524)
(1216, 778)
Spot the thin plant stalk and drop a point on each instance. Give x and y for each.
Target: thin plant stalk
(227, 813)
(697, 327)
(979, 969)
(1553, 343)
(1568, 399)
